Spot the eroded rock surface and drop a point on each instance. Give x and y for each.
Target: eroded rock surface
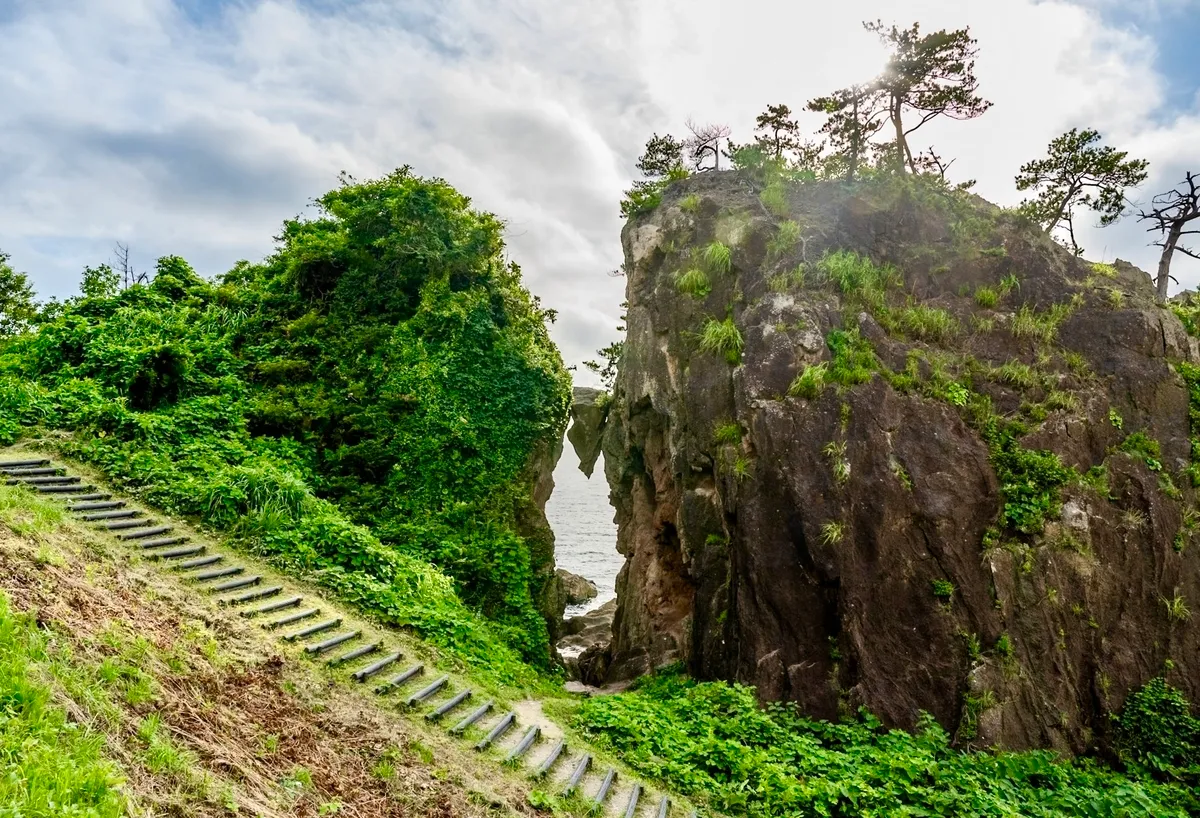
(589, 409)
(849, 547)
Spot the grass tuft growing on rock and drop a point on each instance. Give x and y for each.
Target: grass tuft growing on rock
(693, 282)
(810, 383)
(722, 338)
(718, 258)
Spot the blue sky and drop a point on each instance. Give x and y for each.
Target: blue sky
(197, 126)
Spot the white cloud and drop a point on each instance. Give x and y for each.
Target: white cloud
(122, 119)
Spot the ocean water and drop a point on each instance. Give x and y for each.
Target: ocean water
(585, 536)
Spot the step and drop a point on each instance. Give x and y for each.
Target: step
(272, 607)
(605, 787)
(125, 513)
(162, 541)
(121, 525)
(331, 643)
(313, 630)
(427, 691)
(100, 495)
(290, 618)
(634, 796)
(57, 480)
(251, 596)
(664, 806)
(20, 464)
(400, 679)
(357, 653)
(176, 553)
(199, 562)
(548, 764)
(215, 573)
(63, 489)
(501, 727)
(143, 533)
(577, 774)
(474, 716)
(234, 584)
(101, 506)
(374, 668)
(30, 471)
(448, 705)
(527, 741)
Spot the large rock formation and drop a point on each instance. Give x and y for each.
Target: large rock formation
(851, 543)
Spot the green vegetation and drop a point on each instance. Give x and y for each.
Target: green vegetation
(858, 278)
(722, 338)
(689, 203)
(1157, 732)
(810, 383)
(384, 367)
(785, 239)
(928, 323)
(714, 743)
(943, 589)
(50, 765)
(728, 434)
(987, 297)
(1041, 326)
(693, 282)
(832, 532)
(854, 360)
(774, 198)
(718, 258)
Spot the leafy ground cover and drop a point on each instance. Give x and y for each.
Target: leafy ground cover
(713, 742)
(363, 406)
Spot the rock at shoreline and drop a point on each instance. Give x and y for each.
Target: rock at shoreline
(576, 589)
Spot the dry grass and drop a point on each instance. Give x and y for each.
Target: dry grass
(239, 730)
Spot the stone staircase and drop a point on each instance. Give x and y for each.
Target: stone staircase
(538, 746)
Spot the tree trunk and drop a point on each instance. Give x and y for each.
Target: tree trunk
(855, 139)
(1163, 279)
(901, 141)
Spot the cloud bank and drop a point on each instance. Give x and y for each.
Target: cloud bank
(195, 127)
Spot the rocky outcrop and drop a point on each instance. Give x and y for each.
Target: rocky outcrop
(872, 536)
(534, 528)
(576, 589)
(589, 409)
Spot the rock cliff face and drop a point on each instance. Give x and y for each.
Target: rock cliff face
(886, 530)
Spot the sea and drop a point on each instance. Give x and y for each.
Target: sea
(585, 536)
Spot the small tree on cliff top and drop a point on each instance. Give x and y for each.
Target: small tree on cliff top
(1078, 171)
(1171, 214)
(661, 163)
(852, 116)
(928, 75)
(18, 309)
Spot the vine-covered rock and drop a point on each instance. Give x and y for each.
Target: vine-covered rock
(884, 444)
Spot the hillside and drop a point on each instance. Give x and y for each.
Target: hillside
(884, 445)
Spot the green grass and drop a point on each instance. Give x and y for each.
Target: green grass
(722, 338)
(810, 383)
(718, 258)
(728, 434)
(774, 199)
(859, 278)
(1105, 270)
(1040, 326)
(689, 203)
(50, 766)
(786, 237)
(713, 742)
(987, 297)
(928, 323)
(1015, 373)
(693, 282)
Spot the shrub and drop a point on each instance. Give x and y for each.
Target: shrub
(1156, 729)
(693, 282)
(723, 338)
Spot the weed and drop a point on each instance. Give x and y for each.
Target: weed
(1133, 520)
(810, 383)
(1077, 364)
(693, 282)
(689, 203)
(1114, 417)
(1016, 374)
(987, 297)
(900, 472)
(722, 338)
(1041, 326)
(1177, 608)
(836, 452)
(1008, 284)
(717, 258)
(741, 468)
(981, 324)
(832, 533)
(928, 323)
(994, 252)
(785, 239)
(1105, 270)
(728, 433)
(774, 199)
(1116, 298)
(943, 590)
(1060, 400)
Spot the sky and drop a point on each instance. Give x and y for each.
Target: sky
(195, 127)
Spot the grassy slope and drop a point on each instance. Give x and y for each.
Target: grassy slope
(118, 692)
